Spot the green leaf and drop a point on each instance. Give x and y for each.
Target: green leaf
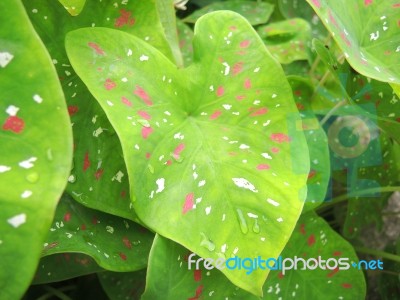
(64, 266)
(166, 11)
(378, 173)
(99, 178)
(185, 35)
(220, 137)
(300, 9)
(36, 148)
(367, 31)
(124, 285)
(320, 169)
(114, 243)
(74, 7)
(287, 40)
(255, 12)
(170, 260)
(314, 238)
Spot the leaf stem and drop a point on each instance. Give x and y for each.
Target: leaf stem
(332, 111)
(346, 196)
(378, 253)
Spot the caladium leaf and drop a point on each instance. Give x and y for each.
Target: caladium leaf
(171, 260)
(36, 147)
(367, 31)
(255, 12)
(287, 40)
(212, 145)
(74, 7)
(311, 239)
(124, 285)
(63, 266)
(99, 178)
(320, 169)
(199, 164)
(114, 243)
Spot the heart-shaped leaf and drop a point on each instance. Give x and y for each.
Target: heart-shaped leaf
(170, 260)
(255, 12)
(36, 148)
(368, 33)
(63, 266)
(215, 144)
(114, 243)
(311, 239)
(74, 7)
(287, 40)
(99, 178)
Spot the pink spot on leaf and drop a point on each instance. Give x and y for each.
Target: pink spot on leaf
(124, 19)
(188, 205)
(263, 167)
(178, 150)
(311, 240)
(332, 273)
(215, 114)
(345, 39)
(347, 285)
(14, 124)
(247, 84)
(109, 84)
(396, 5)
(98, 174)
(86, 162)
(126, 101)
(72, 110)
(302, 229)
(122, 255)
(127, 242)
(143, 95)
(259, 112)
(146, 131)
(244, 44)
(220, 91)
(67, 216)
(279, 137)
(275, 150)
(316, 3)
(237, 68)
(96, 48)
(144, 114)
(240, 97)
(199, 290)
(367, 2)
(197, 275)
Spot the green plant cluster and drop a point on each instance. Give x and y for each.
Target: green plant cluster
(135, 133)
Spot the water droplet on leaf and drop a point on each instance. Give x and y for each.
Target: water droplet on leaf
(207, 243)
(242, 221)
(256, 227)
(33, 177)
